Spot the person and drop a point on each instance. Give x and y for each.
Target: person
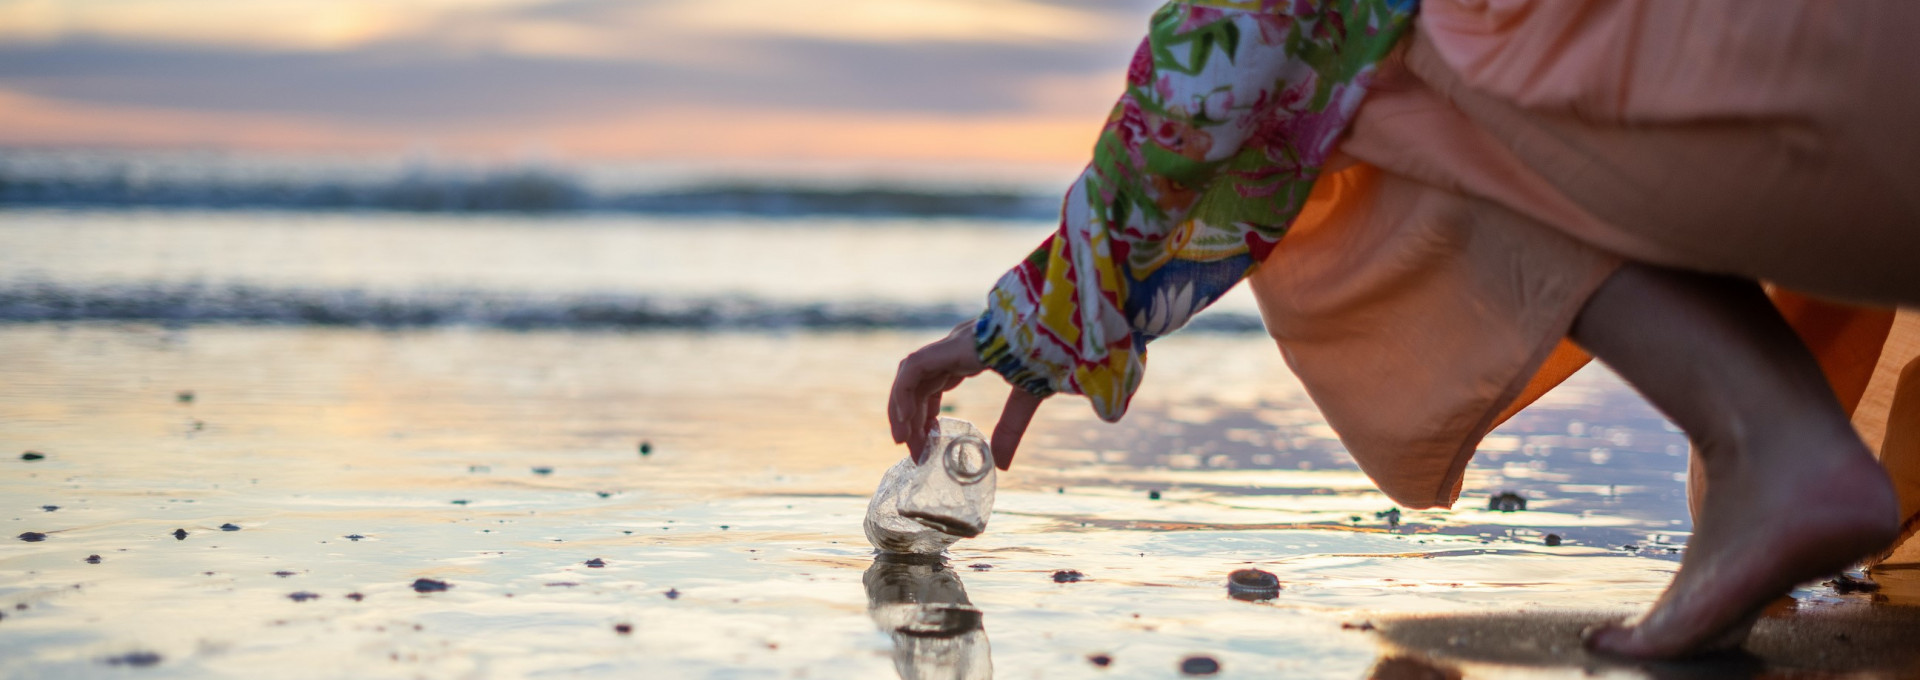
(1718, 199)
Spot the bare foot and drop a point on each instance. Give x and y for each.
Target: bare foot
(1776, 514)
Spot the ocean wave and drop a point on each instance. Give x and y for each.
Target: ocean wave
(536, 191)
(204, 304)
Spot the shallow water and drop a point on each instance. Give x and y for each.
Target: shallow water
(356, 461)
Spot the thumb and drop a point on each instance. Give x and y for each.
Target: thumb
(1014, 418)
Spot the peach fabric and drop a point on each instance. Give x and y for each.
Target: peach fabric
(1517, 150)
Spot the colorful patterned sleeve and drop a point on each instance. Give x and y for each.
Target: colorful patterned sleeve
(1231, 108)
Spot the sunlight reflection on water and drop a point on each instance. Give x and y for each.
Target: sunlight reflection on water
(354, 462)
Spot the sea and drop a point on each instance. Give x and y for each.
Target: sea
(295, 420)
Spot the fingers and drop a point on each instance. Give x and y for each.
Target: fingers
(913, 406)
(1014, 418)
(929, 418)
(902, 401)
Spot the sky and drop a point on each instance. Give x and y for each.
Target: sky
(983, 81)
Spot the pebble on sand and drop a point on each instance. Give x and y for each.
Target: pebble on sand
(303, 596)
(1153, 495)
(33, 537)
(1553, 539)
(427, 585)
(673, 593)
(32, 455)
(1068, 576)
(1253, 585)
(135, 659)
(543, 470)
(596, 563)
(283, 574)
(229, 527)
(1100, 660)
(646, 448)
(623, 628)
(354, 537)
(1507, 501)
(1391, 515)
(356, 597)
(1845, 584)
(49, 508)
(1199, 665)
(93, 559)
(179, 534)
(184, 396)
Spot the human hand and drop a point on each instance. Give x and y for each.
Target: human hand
(914, 405)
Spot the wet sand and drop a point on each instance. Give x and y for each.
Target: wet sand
(355, 465)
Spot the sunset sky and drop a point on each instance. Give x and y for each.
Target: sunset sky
(1018, 81)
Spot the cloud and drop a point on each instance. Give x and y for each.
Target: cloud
(372, 70)
(392, 84)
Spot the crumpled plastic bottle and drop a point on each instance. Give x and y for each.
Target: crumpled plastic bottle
(926, 507)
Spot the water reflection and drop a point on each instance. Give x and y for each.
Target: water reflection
(1592, 448)
(937, 633)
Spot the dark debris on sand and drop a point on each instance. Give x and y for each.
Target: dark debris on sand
(134, 659)
(356, 597)
(283, 574)
(1253, 585)
(33, 537)
(1100, 660)
(673, 593)
(1845, 584)
(1391, 515)
(1153, 495)
(1199, 665)
(49, 508)
(427, 585)
(979, 566)
(229, 527)
(623, 628)
(1507, 501)
(596, 563)
(303, 596)
(646, 448)
(353, 537)
(179, 534)
(33, 455)
(1068, 576)
(93, 559)
(1553, 540)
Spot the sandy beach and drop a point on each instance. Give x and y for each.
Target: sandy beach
(682, 496)
(351, 464)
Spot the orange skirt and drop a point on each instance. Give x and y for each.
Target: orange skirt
(1518, 150)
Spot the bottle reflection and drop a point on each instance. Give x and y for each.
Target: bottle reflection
(937, 632)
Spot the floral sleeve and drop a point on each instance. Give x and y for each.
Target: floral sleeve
(1231, 108)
